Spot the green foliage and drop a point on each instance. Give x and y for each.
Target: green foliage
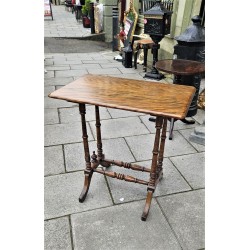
(86, 7)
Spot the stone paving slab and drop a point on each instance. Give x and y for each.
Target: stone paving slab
(64, 133)
(57, 60)
(51, 116)
(110, 56)
(49, 74)
(120, 227)
(48, 63)
(112, 65)
(186, 215)
(200, 116)
(48, 90)
(100, 61)
(142, 146)
(108, 71)
(95, 66)
(172, 182)
(178, 124)
(84, 57)
(55, 67)
(62, 56)
(68, 115)
(192, 168)
(64, 62)
(97, 56)
(121, 127)
(186, 133)
(58, 81)
(112, 148)
(57, 234)
(56, 103)
(136, 76)
(72, 72)
(129, 70)
(62, 192)
(118, 113)
(58, 87)
(53, 160)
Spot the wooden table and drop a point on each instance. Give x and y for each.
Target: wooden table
(158, 99)
(183, 68)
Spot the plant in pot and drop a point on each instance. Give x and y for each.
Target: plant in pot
(85, 14)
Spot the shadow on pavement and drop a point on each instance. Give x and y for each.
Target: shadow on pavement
(71, 45)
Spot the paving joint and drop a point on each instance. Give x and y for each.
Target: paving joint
(180, 172)
(166, 218)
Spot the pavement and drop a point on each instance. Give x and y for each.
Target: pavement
(110, 216)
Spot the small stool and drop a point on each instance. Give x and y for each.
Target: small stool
(144, 44)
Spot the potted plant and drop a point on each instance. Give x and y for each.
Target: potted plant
(85, 14)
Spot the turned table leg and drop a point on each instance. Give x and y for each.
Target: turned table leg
(100, 155)
(88, 171)
(153, 173)
(159, 171)
(145, 52)
(172, 121)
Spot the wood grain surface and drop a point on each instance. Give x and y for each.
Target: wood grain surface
(180, 67)
(155, 98)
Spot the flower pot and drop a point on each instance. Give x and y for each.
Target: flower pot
(86, 22)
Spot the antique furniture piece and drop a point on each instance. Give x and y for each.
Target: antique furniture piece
(145, 44)
(159, 99)
(127, 30)
(191, 43)
(181, 68)
(191, 46)
(129, 23)
(157, 24)
(132, 16)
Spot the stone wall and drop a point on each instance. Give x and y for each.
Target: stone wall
(107, 18)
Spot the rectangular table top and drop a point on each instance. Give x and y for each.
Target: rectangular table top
(154, 98)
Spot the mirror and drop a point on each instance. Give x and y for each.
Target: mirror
(130, 21)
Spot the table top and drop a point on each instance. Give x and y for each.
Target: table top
(180, 66)
(144, 41)
(154, 98)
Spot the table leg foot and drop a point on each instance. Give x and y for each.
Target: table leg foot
(147, 205)
(85, 190)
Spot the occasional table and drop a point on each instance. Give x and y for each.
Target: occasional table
(181, 68)
(159, 99)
